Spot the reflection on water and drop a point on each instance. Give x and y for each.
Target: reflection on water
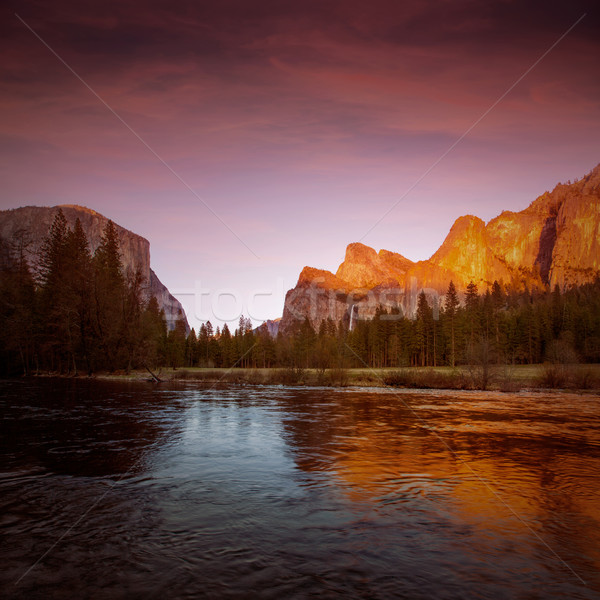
(181, 491)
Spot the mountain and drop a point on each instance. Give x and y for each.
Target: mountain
(272, 326)
(34, 223)
(554, 241)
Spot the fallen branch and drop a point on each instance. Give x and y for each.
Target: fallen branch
(156, 378)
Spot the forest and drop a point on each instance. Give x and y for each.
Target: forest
(71, 311)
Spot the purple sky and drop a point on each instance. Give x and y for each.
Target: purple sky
(299, 123)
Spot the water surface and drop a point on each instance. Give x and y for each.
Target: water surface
(130, 490)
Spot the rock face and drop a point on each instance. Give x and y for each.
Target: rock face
(35, 221)
(365, 268)
(554, 241)
(272, 326)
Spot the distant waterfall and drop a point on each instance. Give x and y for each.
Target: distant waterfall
(351, 317)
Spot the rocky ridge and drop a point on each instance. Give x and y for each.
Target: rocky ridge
(554, 241)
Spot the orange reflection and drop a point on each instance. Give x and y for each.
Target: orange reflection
(538, 492)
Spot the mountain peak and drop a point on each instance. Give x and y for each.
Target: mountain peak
(310, 276)
(356, 251)
(467, 221)
(83, 209)
(555, 240)
(363, 267)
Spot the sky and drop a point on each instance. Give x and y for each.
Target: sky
(246, 140)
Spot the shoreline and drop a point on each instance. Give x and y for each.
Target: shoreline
(500, 378)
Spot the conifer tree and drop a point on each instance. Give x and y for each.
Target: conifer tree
(79, 273)
(424, 324)
(53, 253)
(203, 345)
(210, 344)
(109, 292)
(176, 342)
(133, 306)
(153, 336)
(471, 314)
(450, 308)
(17, 309)
(55, 300)
(227, 347)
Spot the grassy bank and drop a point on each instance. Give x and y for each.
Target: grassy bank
(497, 377)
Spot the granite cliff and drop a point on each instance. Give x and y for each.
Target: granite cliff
(554, 241)
(35, 221)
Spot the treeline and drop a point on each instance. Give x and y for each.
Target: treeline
(501, 325)
(75, 311)
(498, 326)
(78, 312)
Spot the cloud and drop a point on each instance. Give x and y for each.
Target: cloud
(295, 121)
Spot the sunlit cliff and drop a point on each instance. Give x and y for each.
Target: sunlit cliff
(554, 241)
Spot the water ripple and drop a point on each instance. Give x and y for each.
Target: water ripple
(187, 492)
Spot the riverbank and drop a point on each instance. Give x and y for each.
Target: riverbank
(506, 378)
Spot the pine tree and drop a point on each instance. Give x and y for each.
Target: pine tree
(108, 256)
(53, 253)
(424, 325)
(17, 308)
(471, 297)
(450, 308)
(471, 313)
(109, 297)
(152, 348)
(203, 345)
(191, 349)
(244, 341)
(133, 307)
(176, 341)
(79, 270)
(210, 344)
(227, 347)
(498, 304)
(55, 300)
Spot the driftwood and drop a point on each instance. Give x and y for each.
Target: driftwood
(155, 378)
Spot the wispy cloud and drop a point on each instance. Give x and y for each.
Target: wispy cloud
(300, 117)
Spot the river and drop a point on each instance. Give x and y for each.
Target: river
(132, 490)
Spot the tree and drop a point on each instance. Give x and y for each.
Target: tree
(64, 276)
(471, 297)
(472, 311)
(424, 325)
(498, 296)
(244, 341)
(450, 308)
(481, 357)
(54, 300)
(109, 292)
(108, 256)
(17, 308)
(176, 340)
(133, 305)
(53, 253)
(79, 269)
(191, 349)
(228, 357)
(203, 345)
(264, 350)
(498, 304)
(304, 346)
(210, 344)
(152, 348)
